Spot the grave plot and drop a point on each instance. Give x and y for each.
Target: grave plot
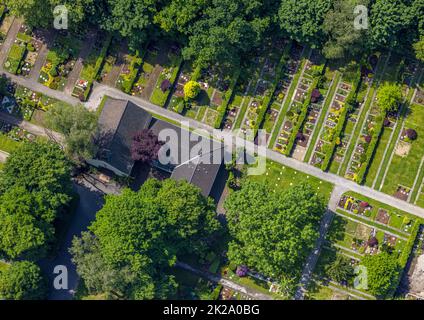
(392, 127)
(371, 76)
(362, 227)
(11, 137)
(60, 62)
(91, 67)
(332, 142)
(300, 107)
(23, 103)
(242, 95)
(114, 62)
(176, 102)
(402, 178)
(374, 122)
(282, 90)
(167, 66)
(4, 25)
(286, 88)
(158, 73)
(23, 53)
(131, 65)
(261, 102)
(318, 98)
(216, 85)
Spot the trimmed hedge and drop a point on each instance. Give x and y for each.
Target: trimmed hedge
(372, 147)
(348, 107)
(222, 109)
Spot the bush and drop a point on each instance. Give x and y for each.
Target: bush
(370, 152)
(191, 89)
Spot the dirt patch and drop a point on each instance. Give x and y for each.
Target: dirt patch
(299, 153)
(402, 148)
(402, 193)
(382, 216)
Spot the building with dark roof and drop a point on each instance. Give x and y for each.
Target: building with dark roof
(120, 120)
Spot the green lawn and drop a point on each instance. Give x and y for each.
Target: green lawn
(378, 157)
(403, 170)
(13, 61)
(7, 144)
(280, 177)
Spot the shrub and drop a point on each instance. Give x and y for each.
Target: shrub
(411, 134)
(389, 97)
(191, 89)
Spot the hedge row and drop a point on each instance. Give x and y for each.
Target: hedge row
(301, 120)
(222, 109)
(348, 107)
(406, 252)
(372, 147)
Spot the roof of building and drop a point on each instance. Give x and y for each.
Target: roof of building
(194, 162)
(119, 121)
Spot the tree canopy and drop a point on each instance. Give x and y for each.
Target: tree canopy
(35, 187)
(22, 281)
(389, 96)
(226, 31)
(273, 232)
(382, 273)
(79, 127)
(137, 236)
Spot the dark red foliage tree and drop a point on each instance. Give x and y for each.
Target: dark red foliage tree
(411, 134)
(315, 95)
(165, 85)
(386, 122)
(300, 136)
(373, 242)
(367, 139)
(364, 204)
(145, 146)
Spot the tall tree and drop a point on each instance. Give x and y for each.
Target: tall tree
(145, 146)
(382, 271)
(302, 20)
(35, 188)
(390, 23)
(137, 237)
(273, 232)
(343, 39)
(79, 127)
(22, 281)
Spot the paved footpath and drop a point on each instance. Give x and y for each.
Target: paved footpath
(313, 257)
(101, 90)
(10, 38)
